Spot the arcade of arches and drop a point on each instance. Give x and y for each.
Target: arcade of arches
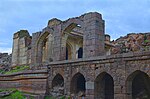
(119, 79)
(138, 86)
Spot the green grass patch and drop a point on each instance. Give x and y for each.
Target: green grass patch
(14, 95)
(17, 69)
(10, 89)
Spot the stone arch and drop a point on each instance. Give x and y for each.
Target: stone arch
(72, 23)
(72, 32)
(104, 86)
(78, 83)
(138, 85)
(58, 80)
(58, 84)
(41, 42)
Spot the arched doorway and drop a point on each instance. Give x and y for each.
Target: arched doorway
(43, 48)
(104, 86)
(58, 85)
(73, 41)
(138, 85)
(78, 85)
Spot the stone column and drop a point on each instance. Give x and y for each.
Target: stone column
(67, 80)
(39, 53)
(119, 92)
(15, 50)
(93, 39)
(34, 49)
(57, 43)
(63, 46)
(90, 90)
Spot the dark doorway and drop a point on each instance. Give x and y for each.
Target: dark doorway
(58, 81)
(80, 52)
(104, 87)
(141, 86)
(78, 84)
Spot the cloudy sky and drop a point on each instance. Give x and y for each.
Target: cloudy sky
(121, 16)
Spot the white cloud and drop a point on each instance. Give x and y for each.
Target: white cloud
(5, 50)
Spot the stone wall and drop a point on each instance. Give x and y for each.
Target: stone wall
(119, 67)
(33, 82)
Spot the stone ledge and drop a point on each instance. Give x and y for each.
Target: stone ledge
(125, 56)
(25, 72)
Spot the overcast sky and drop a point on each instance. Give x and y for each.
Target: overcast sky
(121, 16)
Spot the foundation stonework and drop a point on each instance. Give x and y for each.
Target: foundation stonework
(75, 58)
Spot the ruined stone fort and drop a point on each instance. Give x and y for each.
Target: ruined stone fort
(75, 58)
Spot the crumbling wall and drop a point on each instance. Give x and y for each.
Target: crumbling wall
(21, 46)
(5, 62)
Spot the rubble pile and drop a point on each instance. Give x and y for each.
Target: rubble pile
(5, 61)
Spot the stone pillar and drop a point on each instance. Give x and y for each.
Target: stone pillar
(39, 53)
(119, 92)
(93, 39)
(90, 90)
(34, 49)
(57, 43)
(20, 45)
(63, 47)
(15, 50)
(67, 81)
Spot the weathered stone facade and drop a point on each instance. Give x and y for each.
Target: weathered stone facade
(80, 61)
(115, 72)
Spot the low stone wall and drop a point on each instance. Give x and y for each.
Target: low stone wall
(30, 81)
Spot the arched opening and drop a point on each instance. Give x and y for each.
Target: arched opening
(78, 85)
(44, 48)
(73, 37)
(104, 86)
(80, 52)
(58, 85)
(138, 86)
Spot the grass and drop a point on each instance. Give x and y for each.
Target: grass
(50, 97)
(17, 69)
(14, 95)
(10, 89)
